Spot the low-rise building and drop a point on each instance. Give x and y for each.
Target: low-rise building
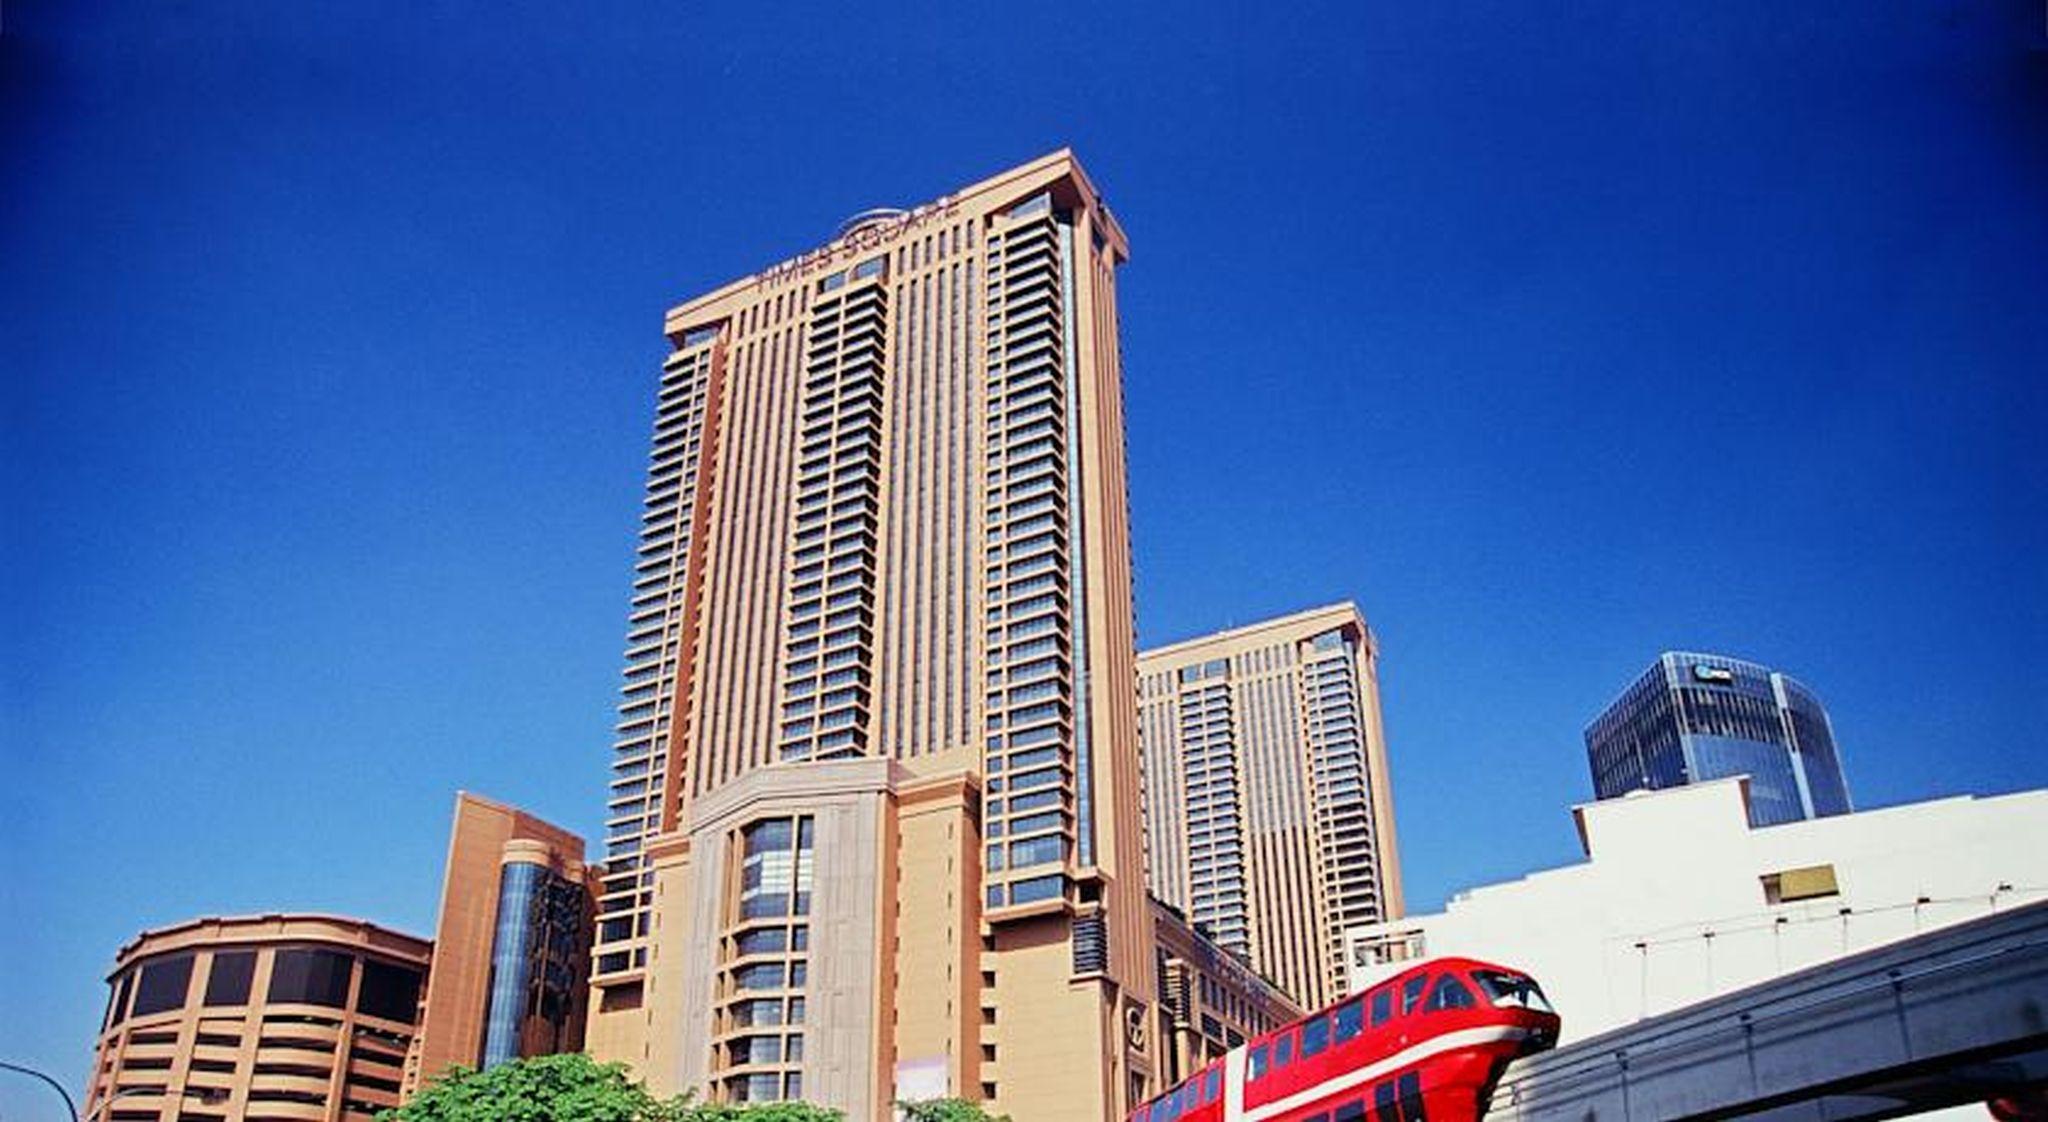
(1680, 898)
(290, 1016)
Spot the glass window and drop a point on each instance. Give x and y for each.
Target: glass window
(227, 981)
(389, 991)
(1512, 990)
(162, 985)
(1037, 888)
(1350, 1019)
(117, 999)
(1411, 993)
(1283, 1051)
(1315, 1036)
(1411, 1097)
(1450, 993)
(1385, 1107)
(1258, 1061)
(1353, 1111)
(1037, 851)
(304, 976)
(1382, 1005)
(762, 940)
(759, 976)
(1212, 1086)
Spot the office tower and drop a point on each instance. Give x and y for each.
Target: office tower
(1269, 812)
(276, 1016)
(874, 826)
(1701, 716)
(512, 944)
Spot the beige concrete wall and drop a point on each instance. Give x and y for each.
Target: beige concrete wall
(204, 1057)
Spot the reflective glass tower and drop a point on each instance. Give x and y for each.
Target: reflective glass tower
(1701, 716)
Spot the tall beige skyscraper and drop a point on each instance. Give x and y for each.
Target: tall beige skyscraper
(874, 821)
(1269, 814)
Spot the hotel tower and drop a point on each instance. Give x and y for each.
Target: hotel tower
(874, 827)
(1269, 810)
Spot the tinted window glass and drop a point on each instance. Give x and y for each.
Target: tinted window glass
(1384, 1106)
(1258, 1067)
(1315, 1036)
(162, 985)
(1212, 1087)
(1411, 1097)
(117, 999)
(227, 981)
(1411, 993)
(310, 977)
(1350, 1112)
(1283, 1051)
(1349, 1018)
(1382, 1005)
(1450, 993)
(389, 991)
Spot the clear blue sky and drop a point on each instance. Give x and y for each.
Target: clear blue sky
(329, 331)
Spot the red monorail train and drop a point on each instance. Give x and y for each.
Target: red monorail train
(1425, 1045)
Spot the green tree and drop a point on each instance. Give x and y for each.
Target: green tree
(761, 1112)
(576, 1088)
(570, 1088)
(947, 1110)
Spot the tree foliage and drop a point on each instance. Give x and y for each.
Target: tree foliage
(947, 1110)
(576, 1088)
(761, 1112)
(569, 1088)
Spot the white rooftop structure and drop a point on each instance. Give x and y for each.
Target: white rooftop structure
(1680, 899)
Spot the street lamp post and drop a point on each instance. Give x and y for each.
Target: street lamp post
(70, 1106)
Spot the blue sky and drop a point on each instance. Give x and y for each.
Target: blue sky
(1553, 339)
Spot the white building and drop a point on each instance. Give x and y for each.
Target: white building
(1681, 899)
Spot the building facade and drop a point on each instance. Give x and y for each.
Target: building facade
(884, 561)
(1269, 811)
(511, 945)
(1209, 1001)
(279, 1017)
(1681, 898)
(1693, 717)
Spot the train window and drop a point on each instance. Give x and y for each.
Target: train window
(1283, 1051)
(1349, 1019)
(1258, 1066)
(1411, 993)
(1382, 1005)
(1512, 990)
(1411, 1097)
(1385, 1108)
(1323, 1117)
(1315, 1036)
(1212, 1087)
(1450, 993)
(1353, 1111)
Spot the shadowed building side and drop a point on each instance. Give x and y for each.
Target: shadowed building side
(512, 943)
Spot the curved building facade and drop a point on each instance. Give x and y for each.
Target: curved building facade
(511, 946)
(275, 1018)
(1692, 717)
